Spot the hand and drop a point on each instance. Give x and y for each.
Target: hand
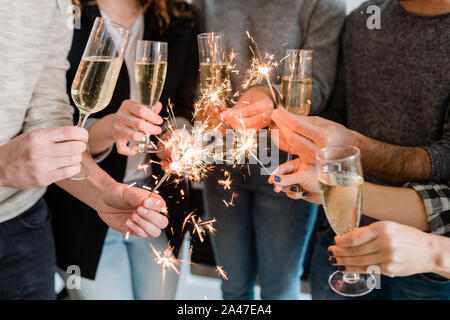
(398, 250)
(42, 157)
(304, 136)
(131, 209)
(132, 122)
(212, 115)
(297, 179)
(252, 111)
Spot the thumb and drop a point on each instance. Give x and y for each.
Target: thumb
(133, 197)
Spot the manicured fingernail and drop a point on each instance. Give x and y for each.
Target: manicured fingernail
(294, 189)
(136, 217)
(341, 268)
(332, 260)
(330, 253)
(277, 179)
(305, 194)
(142, 210)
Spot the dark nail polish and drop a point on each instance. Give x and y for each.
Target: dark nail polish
(332, 260)
(330, 253)
(341, 268)
(294, 189)
(305, 194)
(277, 179)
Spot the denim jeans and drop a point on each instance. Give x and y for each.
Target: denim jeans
(416, 287)
(127, 271)
(264, 234)
(27, 256)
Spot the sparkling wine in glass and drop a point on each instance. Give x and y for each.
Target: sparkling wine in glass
(150, 68)
(341, 191)
(214, 72)
(97, 73)
(296, 82)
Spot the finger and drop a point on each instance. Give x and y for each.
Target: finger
(154, 202)
(297, 195)
(360, 261)
(366, 248)
(278, 138)
(296, 188)
(356, 237)
(286, 168)
(299, 143)
(136, 229)
(244, 110)
(252, 122)
(304, 125)
(123, 149)
(65, 133)
(157, 108)
(284, 180)
(144, 112)
(153, 217)
(127, 133)
(61, 162)
(63, 173)
(133, 197)
(142, 125)
(67, 148)
(149, 228)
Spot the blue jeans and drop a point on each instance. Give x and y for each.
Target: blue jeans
(264, 234)
(416, 287)
(27, 256)
(127, 271)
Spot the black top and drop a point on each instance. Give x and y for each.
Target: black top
(79, 232)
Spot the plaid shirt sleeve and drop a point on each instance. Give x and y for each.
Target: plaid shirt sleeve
(436, 198)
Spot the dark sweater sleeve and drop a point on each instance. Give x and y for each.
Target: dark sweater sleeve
(439, 153)
(335, 109)
(323, 29)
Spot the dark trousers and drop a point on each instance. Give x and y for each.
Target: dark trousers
(27, 256)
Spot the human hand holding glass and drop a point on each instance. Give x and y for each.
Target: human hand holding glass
(341, 182)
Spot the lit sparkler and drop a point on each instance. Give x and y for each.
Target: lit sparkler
(222, 272)
(167, 261)
(199, 227)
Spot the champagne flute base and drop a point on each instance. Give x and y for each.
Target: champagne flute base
(364, 284)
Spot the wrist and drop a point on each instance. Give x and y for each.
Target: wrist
(101, 134)
(439, 262)
(3, 161)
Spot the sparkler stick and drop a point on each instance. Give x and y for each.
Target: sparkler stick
(262, 67)
(164, 178)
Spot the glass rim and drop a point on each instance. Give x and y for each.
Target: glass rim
(206, 35)
(355, 152)
(114, 24)
(152, 41)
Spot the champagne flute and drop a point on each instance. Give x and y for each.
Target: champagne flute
(214, 73)
(296, 83)
(97, 73)
(341, 191)
(150, 68)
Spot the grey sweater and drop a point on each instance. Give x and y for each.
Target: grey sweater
(277, 26)
(35, 40)
(394, 83)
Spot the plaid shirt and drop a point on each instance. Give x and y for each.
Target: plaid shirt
(436, 198)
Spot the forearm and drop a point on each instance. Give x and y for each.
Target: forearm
(401, 205)
(391, 163)
(100, 135)
(88, 190)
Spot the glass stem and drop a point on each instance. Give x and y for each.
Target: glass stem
(82, 119)
(351, 278)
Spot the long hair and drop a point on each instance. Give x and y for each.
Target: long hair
(164, 10)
